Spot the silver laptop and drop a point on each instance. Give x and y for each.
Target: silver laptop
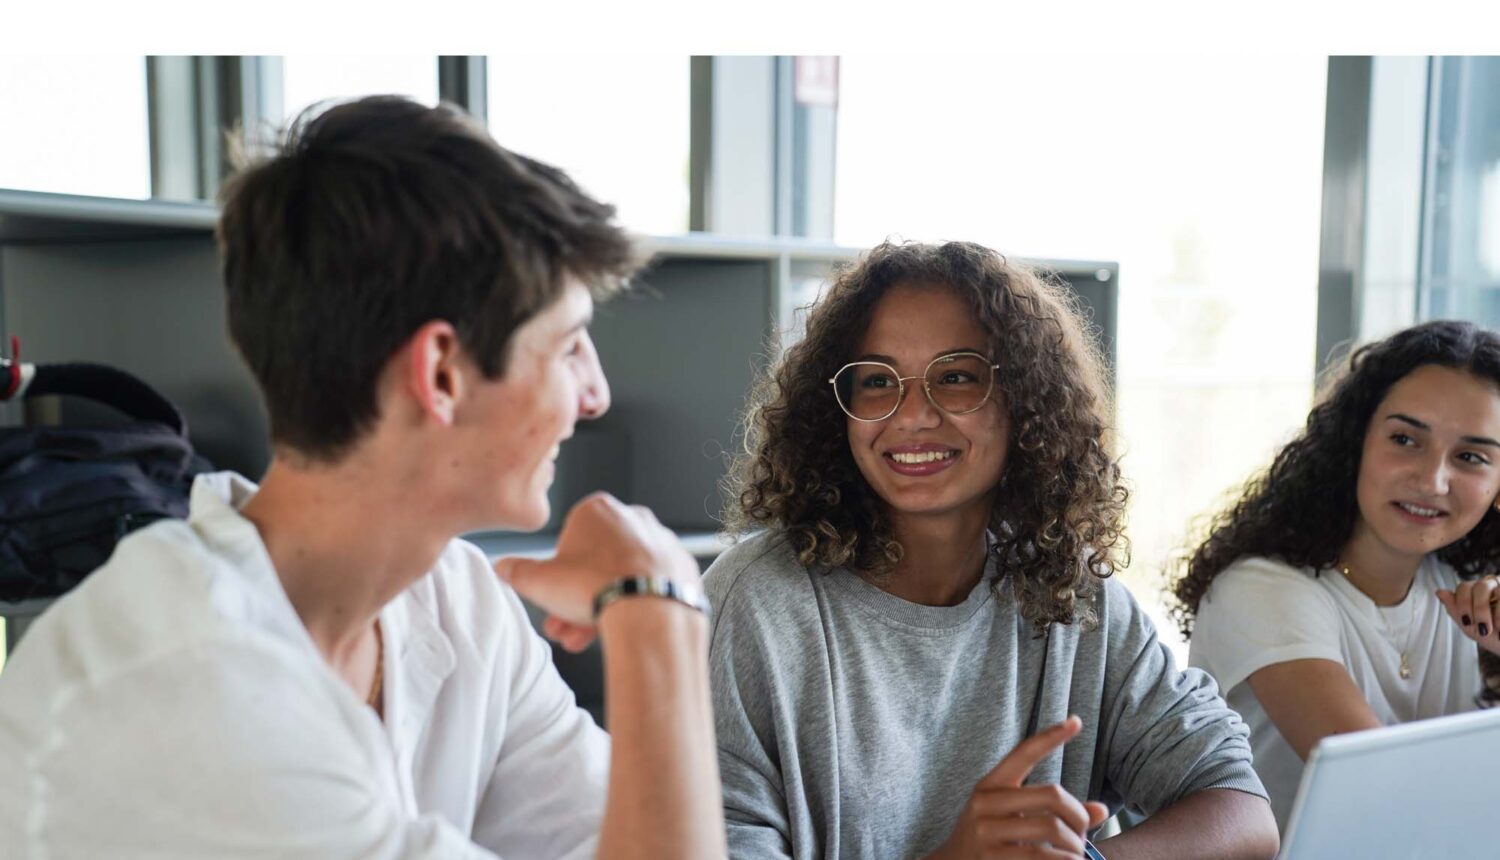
(1418, 790)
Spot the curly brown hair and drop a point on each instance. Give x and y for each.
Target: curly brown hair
(1302, 510)
(1059, 515)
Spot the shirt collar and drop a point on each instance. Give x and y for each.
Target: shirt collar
(255, 591)
(416, 647)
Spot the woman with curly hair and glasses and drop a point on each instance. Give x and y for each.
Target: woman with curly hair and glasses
(922, 653)
(1348, 586)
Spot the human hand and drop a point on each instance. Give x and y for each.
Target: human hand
(1005, 819)
(601, 540)
(1472, 607)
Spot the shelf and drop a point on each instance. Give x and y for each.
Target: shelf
(36, 217)
(40, 217)
(701, 544)
(28, 217)
(717, 246)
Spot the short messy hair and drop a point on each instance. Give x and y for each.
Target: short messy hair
(1058, 516)
(374, 217)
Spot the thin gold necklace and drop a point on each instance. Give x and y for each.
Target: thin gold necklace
(1390, 636)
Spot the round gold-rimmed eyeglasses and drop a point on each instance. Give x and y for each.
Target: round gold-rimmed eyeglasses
(957, 383)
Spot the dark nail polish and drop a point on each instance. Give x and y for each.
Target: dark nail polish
(1484, 629)
(1465, 620)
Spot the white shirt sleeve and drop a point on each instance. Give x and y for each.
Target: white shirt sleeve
(546, 793)
(1258, 613)
(180, 756)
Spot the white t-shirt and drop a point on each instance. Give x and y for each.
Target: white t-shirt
(173, 706)
(1260, 612)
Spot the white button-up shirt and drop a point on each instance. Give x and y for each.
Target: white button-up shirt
(173, 706)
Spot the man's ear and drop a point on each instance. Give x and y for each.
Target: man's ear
(436, 371)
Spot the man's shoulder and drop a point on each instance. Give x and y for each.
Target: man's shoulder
(159, 584)
(163, 606)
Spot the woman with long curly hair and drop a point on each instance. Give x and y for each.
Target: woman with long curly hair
(922, 653)
(1348, 586)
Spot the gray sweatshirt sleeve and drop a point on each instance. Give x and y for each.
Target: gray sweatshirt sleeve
(1166, 733)
(742, 674)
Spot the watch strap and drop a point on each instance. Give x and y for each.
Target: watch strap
(689, 593)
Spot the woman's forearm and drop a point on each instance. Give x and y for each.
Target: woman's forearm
(1218, 823)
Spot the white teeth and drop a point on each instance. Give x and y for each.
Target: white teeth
(924, 457)
(1418, 511)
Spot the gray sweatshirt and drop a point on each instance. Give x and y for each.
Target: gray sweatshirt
(854, 724)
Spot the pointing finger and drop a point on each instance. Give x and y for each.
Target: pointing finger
(1015, 767)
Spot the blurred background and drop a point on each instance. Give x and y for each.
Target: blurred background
(1248, 216)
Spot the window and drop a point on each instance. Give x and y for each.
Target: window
(617, 124)
(1461, 251)
(75, 125)
(1200, 176)
(309, 79)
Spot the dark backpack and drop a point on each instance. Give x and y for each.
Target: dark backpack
(69, 493)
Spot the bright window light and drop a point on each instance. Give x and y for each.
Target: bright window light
(1199, 175)
(75, 125)
(309, 79)
(617, 124)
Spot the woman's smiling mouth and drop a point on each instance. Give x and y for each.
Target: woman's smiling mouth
(918, 460)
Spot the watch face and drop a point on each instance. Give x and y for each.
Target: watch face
(1091, 852)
